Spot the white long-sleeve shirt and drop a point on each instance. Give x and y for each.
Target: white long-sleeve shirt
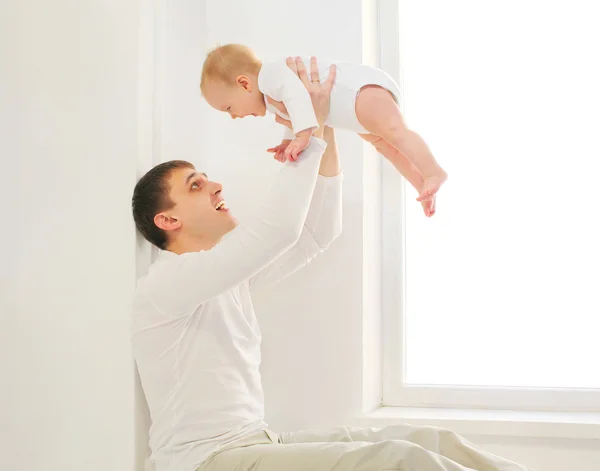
(196, 339)
(277, 81)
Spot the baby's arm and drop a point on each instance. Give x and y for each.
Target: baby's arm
(278, 82)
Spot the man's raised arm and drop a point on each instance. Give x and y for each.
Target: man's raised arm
(249, 249)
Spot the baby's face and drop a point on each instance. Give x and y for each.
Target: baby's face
(239, 100)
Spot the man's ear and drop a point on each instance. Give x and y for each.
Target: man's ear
(166, 222)
(244, 82)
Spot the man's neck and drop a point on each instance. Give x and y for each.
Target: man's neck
(182, 245)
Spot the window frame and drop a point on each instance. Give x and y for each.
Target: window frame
(395, 391)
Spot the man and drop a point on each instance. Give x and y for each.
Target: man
(196, 339)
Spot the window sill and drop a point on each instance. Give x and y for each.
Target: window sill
(572, 425)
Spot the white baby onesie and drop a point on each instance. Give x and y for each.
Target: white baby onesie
(277, 81)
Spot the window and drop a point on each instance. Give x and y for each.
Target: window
(495, 301)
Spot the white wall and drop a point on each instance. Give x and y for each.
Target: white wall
(68, 118)
(313, 323)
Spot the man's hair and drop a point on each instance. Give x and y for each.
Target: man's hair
(150, 197)
(225, 63)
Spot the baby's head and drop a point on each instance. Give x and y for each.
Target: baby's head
(229, 81)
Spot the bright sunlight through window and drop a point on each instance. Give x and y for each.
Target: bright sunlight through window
(503, 283)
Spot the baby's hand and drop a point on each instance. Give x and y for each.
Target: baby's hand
(298, 145)
(278, 151)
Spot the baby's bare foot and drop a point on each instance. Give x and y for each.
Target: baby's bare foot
(429, 206)
(431, 186)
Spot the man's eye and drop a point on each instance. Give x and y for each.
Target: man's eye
(195, 186)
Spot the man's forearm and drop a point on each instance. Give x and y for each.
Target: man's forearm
(330, 162)
(319, 132)
(253, 246)
(323, 221)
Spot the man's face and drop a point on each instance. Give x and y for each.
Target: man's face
(199, 209)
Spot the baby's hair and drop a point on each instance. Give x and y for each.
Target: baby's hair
(225, 63)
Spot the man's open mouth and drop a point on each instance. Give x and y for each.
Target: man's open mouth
(221, 206)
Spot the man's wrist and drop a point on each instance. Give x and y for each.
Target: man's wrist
(319, 132)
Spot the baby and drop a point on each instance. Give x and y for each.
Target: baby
(363, 100)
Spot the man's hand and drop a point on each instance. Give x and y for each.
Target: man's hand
(319, 92)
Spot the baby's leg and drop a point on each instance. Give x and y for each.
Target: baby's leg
(404, 166)
(379, 114)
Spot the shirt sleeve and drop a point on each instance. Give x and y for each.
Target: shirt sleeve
(277, 81)
(287, 134)
(323, 225)
(181, 284)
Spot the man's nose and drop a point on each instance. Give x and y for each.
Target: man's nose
(217, 188)
(233, 116)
